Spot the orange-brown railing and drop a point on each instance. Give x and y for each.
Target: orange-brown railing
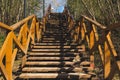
(98, 39)
(18, 42)
(102, 43)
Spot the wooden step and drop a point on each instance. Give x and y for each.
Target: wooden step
(56, 63)
(53, 75)
(50, 58)
(50, 54)
(57, 44)
(49, 38)
(54, 35)
(53, 41)
(55, 32)
(58, 47)
(46, 63)
(55, 69)
(58, 37)
(57, 50)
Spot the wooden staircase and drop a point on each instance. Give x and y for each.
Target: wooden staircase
(57, 58)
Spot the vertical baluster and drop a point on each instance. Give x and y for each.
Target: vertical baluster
(37, 31)
(33, 30)
(24, 35)
(91, 44)
(82, 30)
(9, 56)
(106, 60)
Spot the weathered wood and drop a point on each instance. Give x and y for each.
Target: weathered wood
(57, 50)
(51, 54)
(17, 25)
(94, 22)
(55, 69)
(49, 63)
(4, 72)
(50, 58)
(107, 65)
(9, 51)
(53, 75)
(58, 46)
(4, 26)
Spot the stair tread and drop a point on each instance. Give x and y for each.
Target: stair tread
(50, 58)
(49, 63)
(52, 54)
(57, 63)
(63, 50)
(58, 46)
(47, 69)
(53, 75)
(63, 44)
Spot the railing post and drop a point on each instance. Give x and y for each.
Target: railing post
(33, 25)
(91, 44)
(37, 32)
(107, 60)
(24, 35)
(9, 57)
(82, 30)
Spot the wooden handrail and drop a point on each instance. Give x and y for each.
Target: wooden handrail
(6, 27)
(102, 44)
(21, 41)
(17, 25)
(94, 22)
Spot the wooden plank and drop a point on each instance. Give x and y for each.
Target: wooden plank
(87, 38)
(18, 43)
(82, 32)
(107, 65)
(53, 41)
(14, 56)
(50, 58)
(55, 69)
(111, 46)
(92, 39)
(49, 63)
(51, 54)
(17, 25)
(57, 50)
(58, 46)
(4, 72)
(101, 53)
(63, 44)
(4, 26)
(8, 58)
(95, 32)
(37, 32)
(53, 75)
(94, 22)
